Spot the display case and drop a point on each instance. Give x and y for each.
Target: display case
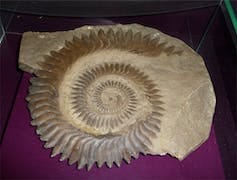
(209, 27)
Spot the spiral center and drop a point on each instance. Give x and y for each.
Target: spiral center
(108, 98)
(111, 98)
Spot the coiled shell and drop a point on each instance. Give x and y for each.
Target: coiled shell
(104, 123)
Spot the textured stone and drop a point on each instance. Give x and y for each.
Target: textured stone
(124, 87)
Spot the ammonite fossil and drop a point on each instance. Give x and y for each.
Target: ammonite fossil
(91, 104)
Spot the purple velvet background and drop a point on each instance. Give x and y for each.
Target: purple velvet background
(9, 78)
(22, 153)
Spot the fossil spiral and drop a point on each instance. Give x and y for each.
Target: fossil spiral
(103, 123)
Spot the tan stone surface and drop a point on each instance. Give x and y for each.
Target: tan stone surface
(181, 78)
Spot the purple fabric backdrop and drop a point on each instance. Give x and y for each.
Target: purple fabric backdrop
(24, 156)
(9, 78)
